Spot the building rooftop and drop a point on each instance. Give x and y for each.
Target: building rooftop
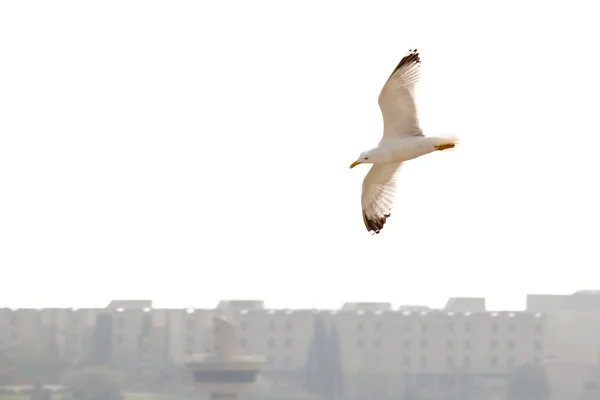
(130, 304)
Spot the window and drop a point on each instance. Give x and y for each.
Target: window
(450, 344)
(494, 361)
(511, 328)
(407, 327)
(467, 344)
(272, 325)
(510, 345)
(271, 343)
(360, 326)
(406, 344)
(538, 345)
(406, 361)
(119, 339)
(450, 327)
(423, 343)
(190, 324)
(288, 360)
(447, 382)
(288, 325)
(377, 326)
(288, 343)
(450, 361)
(424, 380)
(360, 344)
(377, 343)
(271, 359)
(423, 361)
(538, 328)
(494, 344)
(243, 343)
(468, 327)
(244, 325)
(494, 328)
(424, 327)
(467, 361)
(510, 361)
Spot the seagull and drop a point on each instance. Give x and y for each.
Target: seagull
(402, 140)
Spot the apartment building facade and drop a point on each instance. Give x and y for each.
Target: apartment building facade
(386, 351)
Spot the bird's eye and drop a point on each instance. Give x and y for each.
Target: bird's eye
(366, 158)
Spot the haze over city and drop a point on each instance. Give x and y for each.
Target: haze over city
(189, 152)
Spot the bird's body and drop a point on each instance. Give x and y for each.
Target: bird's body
(397, 150)
(403, 140)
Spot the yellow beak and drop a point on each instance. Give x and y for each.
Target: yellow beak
(354, 164)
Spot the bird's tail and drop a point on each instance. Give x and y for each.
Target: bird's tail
(445, 142)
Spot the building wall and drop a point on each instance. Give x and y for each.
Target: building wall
(385, 351)
(393, 341)
(570, 380)
(281, 335)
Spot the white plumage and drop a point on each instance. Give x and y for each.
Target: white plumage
(402, 140)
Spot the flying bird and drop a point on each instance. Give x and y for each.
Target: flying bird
(402, 140)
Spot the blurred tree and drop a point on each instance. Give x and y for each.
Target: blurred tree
(334, 388)
(323, 370)
(102, 340)
(52, 362)
(314, 379)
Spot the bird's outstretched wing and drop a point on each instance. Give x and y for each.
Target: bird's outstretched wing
(396, 99)
(378, 194)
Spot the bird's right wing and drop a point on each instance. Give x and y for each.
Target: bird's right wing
(396, 99)
(378, 195)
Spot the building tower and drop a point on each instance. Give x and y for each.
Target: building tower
(224, 373)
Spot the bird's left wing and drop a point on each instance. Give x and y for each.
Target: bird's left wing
(397, 101)
(378, 195)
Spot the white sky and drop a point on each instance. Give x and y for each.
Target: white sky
(192, 151)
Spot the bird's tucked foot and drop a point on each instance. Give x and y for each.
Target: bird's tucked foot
(444, 146)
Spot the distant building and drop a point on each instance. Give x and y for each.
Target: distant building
(572, 340)
(386, 351)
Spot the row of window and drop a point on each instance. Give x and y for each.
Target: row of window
(450, 327)
(450, 344)
(272, 325)
(377, 344)
(271, 343)
(376, 326)
(494, 361)
(407, 327)
(423, 361)
(407, 344)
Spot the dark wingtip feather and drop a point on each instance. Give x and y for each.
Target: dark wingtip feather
(411, 58)
(375, 224)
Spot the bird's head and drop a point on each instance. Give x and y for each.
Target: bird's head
(367, 157)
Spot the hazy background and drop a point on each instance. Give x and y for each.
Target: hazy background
(193, 151)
